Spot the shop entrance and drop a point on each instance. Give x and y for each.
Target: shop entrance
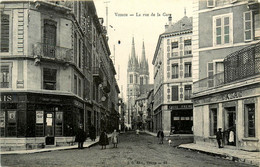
(230, 126)
(49, 128)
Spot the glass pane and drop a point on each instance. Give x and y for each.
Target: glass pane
(226, 21)
(218, 31)
(218, 22)
(226, 30)
(226, 38)
(248, 34)
(247, 16)
(219, 40)
(248, 25)
(210, 66)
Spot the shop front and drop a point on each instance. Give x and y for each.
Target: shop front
(34, 120)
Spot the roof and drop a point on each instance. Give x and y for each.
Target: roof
(184, 24)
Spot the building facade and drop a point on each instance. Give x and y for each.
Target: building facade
(226, 72)
(47, 52)
(137, 82)
(173, 78)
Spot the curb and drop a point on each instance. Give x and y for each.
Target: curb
(224, 156)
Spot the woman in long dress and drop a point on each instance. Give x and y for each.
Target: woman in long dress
(114, 138)
(103, 139)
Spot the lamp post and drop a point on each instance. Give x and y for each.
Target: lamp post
(141, 112)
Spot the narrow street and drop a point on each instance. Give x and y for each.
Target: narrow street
(132, 150)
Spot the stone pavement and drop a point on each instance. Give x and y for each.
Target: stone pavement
(247, 157)
(87, 143)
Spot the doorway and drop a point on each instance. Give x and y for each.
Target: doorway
(230, 126)
(49, 128)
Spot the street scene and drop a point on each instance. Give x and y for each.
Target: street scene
(133, 150)
(130, 82)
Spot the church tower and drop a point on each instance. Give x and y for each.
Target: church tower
(144, 69)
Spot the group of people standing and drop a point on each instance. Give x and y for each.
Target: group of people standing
(229, 134)
(81, 137)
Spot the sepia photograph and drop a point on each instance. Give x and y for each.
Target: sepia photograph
(126, 83)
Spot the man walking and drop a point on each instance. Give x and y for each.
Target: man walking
(160, 136)
(219, 137)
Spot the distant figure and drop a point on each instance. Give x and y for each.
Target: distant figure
(92, 133)
(160, 136)
(137, 131)
(114, 138)
(231, 138)
(103, 139)
(80, 137)
(219, 138)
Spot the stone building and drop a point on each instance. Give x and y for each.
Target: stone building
(226, 72)
(49, 80)
(172, 62)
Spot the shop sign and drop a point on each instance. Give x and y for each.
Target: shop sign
(11, 116)
(230, 96)
(6, 98)
(2, 119)
(39, 117)
(180, 106)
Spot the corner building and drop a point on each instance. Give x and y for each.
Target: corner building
(173, 78)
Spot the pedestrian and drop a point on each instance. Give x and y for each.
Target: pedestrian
(231, 138)
(103, 139)
(114, 138)
(160, 136)
(80, 136)
(92, 133)
(219, 138)
(137, 132)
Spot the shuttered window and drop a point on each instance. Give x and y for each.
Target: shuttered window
(5, 25)
(49, 79)
(175, 93)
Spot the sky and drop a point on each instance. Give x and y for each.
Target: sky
(142, 19)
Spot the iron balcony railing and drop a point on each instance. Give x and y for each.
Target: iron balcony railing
(238, 65)
(52, 52)
(97, 73)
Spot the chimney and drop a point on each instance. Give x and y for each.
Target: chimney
(170, 20)
(166, 26)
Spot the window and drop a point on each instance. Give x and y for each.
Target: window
(79, 93)
(210, 3)
(131, 78)
(187, 67)
(136, 79)
(223, 30)
(175, 71)
(75, 48)
(251, 25)
(141, 81)
(174, 45)
(5, 76)
(175, 93)
(187, 92)
(11, 123)
(49, 78)
(187, 47)
(75, 84)
(250, 120)
(5, 24)
(174, 49)
(213, 121)
(210, 75)
(49, 37)
(79, 63)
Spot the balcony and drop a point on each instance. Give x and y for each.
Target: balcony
(239, 65)
(97, 74)
(52, 52)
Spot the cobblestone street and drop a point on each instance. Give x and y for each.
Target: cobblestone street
(132, 150)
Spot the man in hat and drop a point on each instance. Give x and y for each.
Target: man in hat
(219, 137)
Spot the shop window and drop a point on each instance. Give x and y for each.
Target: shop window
(222, 29)
(175, 70)
(11, 123)
(49, 78)
(250, 120)
(251, 26)
(175, 93)
(39, 129)
(187, 47)
(5, 76)
(4, 31)
(59, 124)
(213, 122)
(187, 92)
(187, 69)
